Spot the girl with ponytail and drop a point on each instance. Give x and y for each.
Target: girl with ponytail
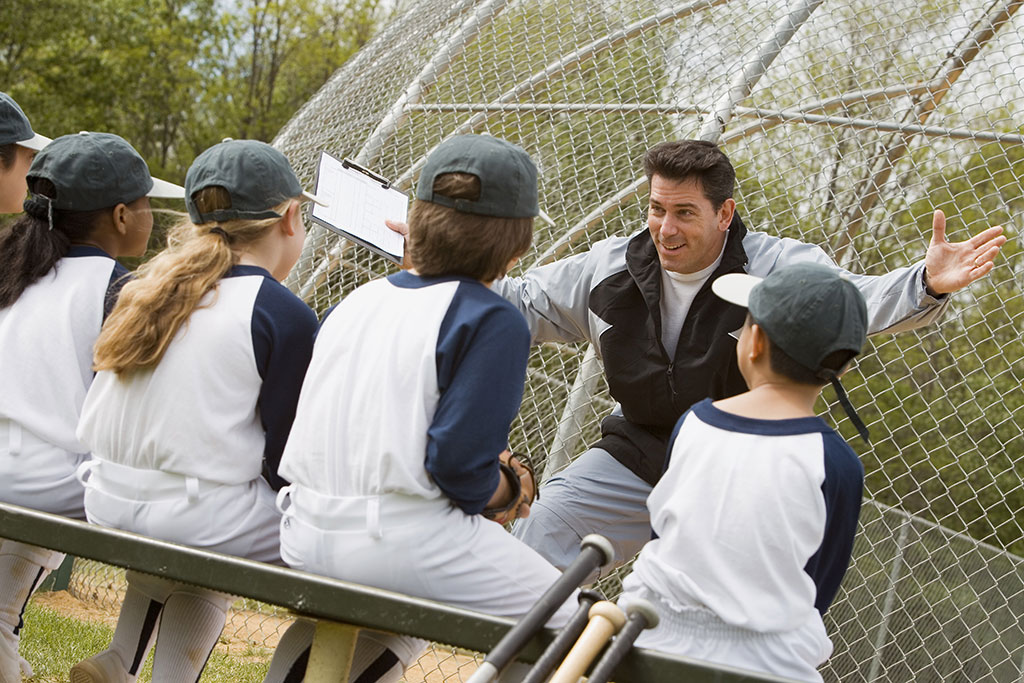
(199, 368)
(88, 204)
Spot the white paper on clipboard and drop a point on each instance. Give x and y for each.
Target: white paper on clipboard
(357, 204)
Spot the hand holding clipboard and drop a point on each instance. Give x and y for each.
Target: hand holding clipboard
(358, 203)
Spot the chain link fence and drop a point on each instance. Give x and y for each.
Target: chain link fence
(849, 123)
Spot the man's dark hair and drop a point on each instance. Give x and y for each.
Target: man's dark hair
(8, 153)
(443, 241)
(704, 162)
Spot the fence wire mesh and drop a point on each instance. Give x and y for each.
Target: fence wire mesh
(848, 123)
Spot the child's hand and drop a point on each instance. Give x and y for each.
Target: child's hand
(403, 230)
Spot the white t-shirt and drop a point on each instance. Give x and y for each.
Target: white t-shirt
(678, 290)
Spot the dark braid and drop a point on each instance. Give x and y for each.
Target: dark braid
(29, 248)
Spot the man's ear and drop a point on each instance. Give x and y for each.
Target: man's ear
(725, 213)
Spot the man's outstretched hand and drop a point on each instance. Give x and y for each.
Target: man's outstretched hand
(950, 266)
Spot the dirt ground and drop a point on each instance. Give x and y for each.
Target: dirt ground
(253, 635)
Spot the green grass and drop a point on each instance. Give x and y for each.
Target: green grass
(53, 643)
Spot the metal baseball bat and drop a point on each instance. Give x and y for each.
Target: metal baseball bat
(595, 551)
(640, 615)
(606, 618)
(554, 653)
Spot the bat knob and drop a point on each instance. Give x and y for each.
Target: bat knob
(602, 544)
(610, 611)
(642, 609)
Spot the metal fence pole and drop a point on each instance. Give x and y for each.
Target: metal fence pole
(890, 601)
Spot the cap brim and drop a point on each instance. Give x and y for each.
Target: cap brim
(166, 190)
(735, 287)
(36, 142)
(313, 198)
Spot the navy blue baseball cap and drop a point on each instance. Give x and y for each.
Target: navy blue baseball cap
(95, 171)
(15, 128)
(508, 177)
(808, 310)
(256, 176)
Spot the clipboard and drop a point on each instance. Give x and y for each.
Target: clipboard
(357, 202)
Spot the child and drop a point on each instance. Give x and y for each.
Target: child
(199, 367)
(405, 412)
(89, 203)
(756, 513)
(18, 146)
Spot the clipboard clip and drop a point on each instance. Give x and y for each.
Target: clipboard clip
(384, 182)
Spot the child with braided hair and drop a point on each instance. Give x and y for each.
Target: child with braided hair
(88, 204)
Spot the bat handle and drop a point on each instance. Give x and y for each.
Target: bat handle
(605, 621)
(554, 653)
(596, 551)
(640, 615)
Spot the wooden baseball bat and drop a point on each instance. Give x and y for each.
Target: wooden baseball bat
(606, 618)
(596, 551)
(554, 652)
(640, 615)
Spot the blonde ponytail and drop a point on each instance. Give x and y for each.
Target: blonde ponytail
(167, 289)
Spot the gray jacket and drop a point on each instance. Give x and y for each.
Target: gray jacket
(609, 296)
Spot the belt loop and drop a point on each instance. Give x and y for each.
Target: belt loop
(192, 489)
(373, 518)
(14, 436)
(283, 495)
(84, 469)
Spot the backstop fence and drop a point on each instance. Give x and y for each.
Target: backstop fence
(849, 122)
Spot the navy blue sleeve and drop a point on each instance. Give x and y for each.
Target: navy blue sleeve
(119, 276)
(482, 352)
(283, 327)
(842, 489)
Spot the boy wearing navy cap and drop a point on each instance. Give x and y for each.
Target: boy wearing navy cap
(400, 442)
(756, 513)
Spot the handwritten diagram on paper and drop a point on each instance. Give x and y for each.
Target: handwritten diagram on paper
(358, 204)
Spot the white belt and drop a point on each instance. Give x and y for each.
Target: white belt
(137, 484)
(352, 513)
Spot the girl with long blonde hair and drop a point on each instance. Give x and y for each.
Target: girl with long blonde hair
(199, 368)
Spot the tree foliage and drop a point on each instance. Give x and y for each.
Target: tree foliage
(174, 76)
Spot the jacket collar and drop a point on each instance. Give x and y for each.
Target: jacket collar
(645, 268)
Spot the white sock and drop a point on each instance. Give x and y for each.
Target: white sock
(190, 625)
(383, 657)
(22, 568)
(292, 653)
(139, 618)
(378, 657)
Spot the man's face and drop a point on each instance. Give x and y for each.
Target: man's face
(687, 230)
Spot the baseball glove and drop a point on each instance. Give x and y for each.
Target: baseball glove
(519, 473)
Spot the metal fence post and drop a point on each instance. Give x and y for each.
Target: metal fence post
(890, 600)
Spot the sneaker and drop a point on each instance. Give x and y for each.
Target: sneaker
(105, 667)
(10, 669)
(26, 668)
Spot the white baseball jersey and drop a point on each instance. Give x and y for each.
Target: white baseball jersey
(46, 340)
(413, 385)
(755, 519)
(222, 398)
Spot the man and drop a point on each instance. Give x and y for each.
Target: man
(667, 342)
